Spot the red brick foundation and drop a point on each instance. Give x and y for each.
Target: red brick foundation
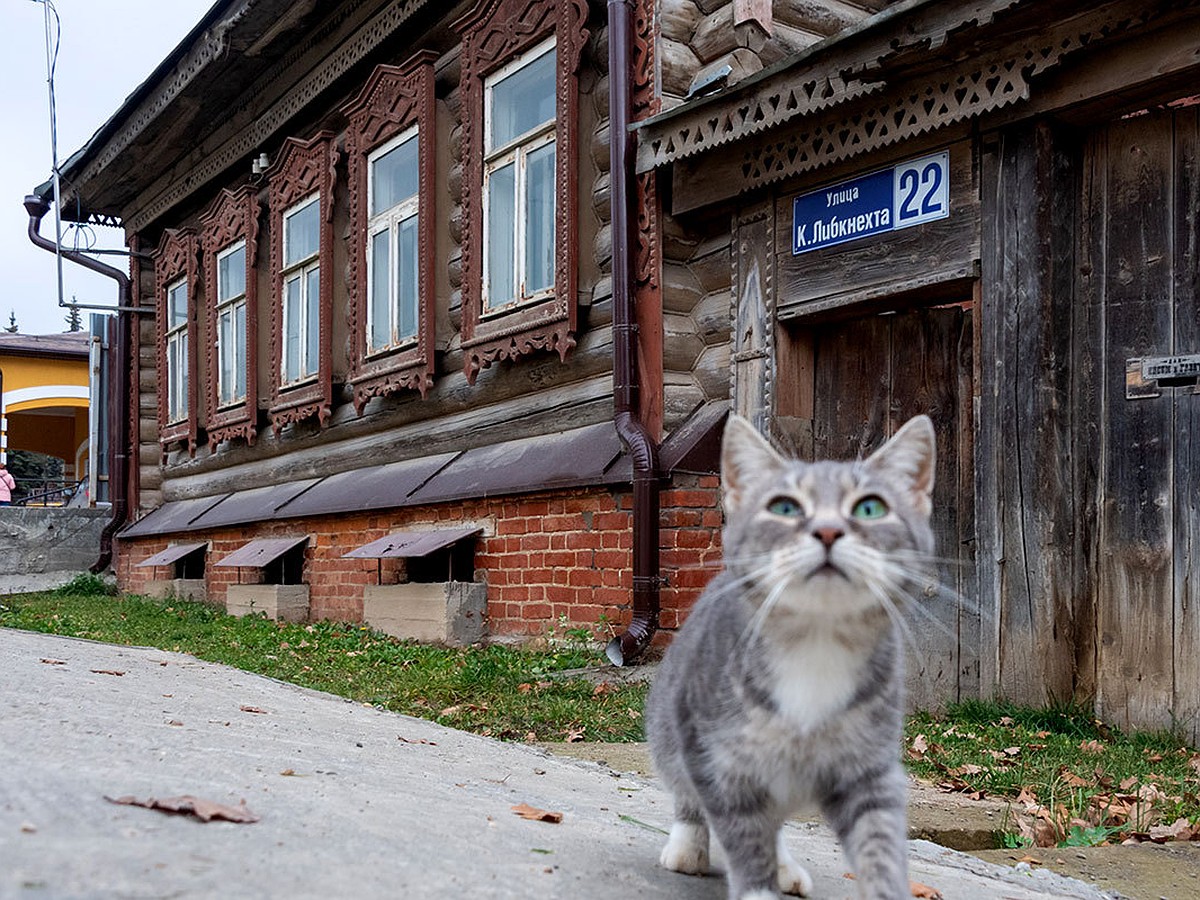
(544, 556)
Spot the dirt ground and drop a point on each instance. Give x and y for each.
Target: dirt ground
(1143, 872)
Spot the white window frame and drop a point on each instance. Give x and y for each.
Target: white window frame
(515, 151)
(177, 354)
(230, 305)
(301, 268)
(391, 219)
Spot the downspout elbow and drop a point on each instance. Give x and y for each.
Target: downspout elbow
(639, 443)
(37, 208)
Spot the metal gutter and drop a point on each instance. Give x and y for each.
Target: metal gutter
(641, 446)
(119, 386)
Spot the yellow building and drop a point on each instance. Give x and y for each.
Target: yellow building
(44, 379)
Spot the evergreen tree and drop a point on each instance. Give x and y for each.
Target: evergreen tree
(74, 319)
(12, 322)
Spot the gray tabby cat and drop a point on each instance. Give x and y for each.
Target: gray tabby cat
(784, 689)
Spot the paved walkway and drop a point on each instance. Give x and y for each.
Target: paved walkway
(354, 801)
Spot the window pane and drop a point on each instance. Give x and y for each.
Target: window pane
(500, 237)
(231, 274)
(406, 279)
(381, 326)
(539, 219)
(523, 101)
(241, 354)
(312, 321)
(291, 325)
(394, 176)
(225, 354)
(177, 377)
(302, 232)
(172, 380)
(176, 305)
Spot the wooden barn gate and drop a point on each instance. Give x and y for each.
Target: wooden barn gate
(1089, 473)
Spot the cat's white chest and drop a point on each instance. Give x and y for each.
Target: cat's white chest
(814, 681)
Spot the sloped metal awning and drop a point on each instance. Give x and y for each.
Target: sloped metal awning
(409, 544)
(171, 554)
(175, 515)
(261, 552)
(245, 506)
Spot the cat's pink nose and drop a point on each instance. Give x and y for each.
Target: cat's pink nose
(828, 535)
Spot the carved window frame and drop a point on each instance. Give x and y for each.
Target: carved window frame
(177, 257)
(394, 100)
(232, 217)
(303, 168)
(493, 34)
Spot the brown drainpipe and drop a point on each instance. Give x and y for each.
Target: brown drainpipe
(118, 383)
(643, 451)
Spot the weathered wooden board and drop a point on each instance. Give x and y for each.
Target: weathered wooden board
(1024, 476)
(1186, 529)
(1135, 683)
(887, 264)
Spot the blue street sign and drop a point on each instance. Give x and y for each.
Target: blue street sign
(896, 197)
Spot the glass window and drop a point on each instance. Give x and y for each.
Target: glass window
(177, 351)
(393, 176)
(231, 324)
(519, 179)
(301, 291)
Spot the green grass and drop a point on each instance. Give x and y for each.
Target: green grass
(1076, 781)
(499, 691)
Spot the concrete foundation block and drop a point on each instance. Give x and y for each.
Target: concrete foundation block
(453, 612)
(178, 589)
(283, 602)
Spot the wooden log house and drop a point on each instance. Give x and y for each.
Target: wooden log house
(380, 333)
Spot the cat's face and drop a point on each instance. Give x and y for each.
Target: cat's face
(828, 537)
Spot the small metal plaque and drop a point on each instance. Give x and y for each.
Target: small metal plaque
(1169, 370)
(1147, 376)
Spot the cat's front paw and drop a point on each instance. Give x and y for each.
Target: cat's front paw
(686, 850)
(793, 877)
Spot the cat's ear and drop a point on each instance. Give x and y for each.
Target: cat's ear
(745, 456)
(911, 453)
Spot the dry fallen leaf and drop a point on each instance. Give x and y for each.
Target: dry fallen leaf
(405, 740)
(1092, 746)
(175, 722)
(525, 811)
(54, 662)
(915, 887)
(253, 709)
(204, 810)
(106, 672)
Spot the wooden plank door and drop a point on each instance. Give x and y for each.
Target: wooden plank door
(869, 376)
(1142, 200)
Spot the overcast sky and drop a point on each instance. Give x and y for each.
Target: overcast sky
(107, 48)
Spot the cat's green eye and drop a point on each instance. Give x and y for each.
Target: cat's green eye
(870, 508)
(785, 506)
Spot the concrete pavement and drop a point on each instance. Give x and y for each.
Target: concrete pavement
(373, 804)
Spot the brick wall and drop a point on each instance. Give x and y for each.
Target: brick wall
(544, 556)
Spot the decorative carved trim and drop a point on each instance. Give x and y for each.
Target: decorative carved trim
(303, 168)
(997, 78)
(669, 141)
(233, 216)
(241, 144)
(178, 255)
(393, 99)
(493, 33)
(524, 341)
(647, 100)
